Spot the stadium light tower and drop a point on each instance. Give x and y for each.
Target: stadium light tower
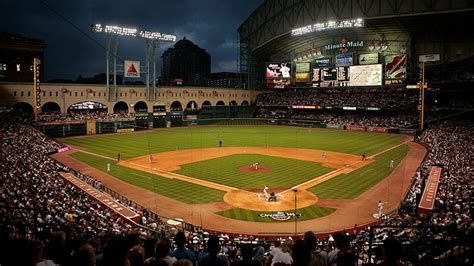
(152, 40)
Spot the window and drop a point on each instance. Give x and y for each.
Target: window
(22, 94)
(120, 94)
(82, 94)
(93, 94)
(50, 93)
(70, 93)
(18, 66)
(29, 93)
(125, 94)
(3, 67)
(14, 93)
(44, 93)
(76, 93)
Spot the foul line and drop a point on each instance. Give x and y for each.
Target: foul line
(320, 179)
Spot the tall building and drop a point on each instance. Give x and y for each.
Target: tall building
(224, 79)
(16, 57)
(185, 61)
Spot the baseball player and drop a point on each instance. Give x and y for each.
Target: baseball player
(380, 206)
(109, 167)
(265, 191)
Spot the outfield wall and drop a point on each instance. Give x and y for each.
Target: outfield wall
(93, 127)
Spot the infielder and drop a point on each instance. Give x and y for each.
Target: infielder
(109, 168)
(380, 207)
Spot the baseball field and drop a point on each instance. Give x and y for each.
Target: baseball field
(214, 176)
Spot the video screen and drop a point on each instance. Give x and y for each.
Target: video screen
(278, 71)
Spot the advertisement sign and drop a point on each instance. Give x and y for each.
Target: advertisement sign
(429, 58)
(396, 66)
(302, 77)
(278, 71)
(367, 59)
(365, 75)
(278, 83)
(344, 60)
(302, 72)
(302, 67)
(131, 69)
(322, 62)
(344, 45)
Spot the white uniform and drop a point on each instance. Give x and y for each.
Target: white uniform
(285, 72)
(109, 168)
(265, 192)
(380, 207)
(392, 163)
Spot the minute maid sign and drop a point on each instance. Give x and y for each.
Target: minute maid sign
(279, 216)
(344, 45)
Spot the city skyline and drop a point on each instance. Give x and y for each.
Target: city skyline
(74, 50)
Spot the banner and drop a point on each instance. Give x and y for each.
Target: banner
(378, 129)
(344, 60)
(303, 77)
(355, 128)
(303, 72)
(431, 189)
(367, 59)
(322, 62)
(396, 66)
(131, 69)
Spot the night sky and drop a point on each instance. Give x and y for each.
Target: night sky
(211, 24)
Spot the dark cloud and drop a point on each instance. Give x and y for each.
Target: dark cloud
(211, 24)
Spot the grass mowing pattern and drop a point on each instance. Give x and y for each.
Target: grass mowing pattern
(131, 145)
(284, 173)
(173, 188)
(310, 212)
(349, 186)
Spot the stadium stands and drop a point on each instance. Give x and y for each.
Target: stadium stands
(37, 204)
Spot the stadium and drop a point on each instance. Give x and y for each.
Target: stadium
(352, 121)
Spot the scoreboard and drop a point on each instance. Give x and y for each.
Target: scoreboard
(330, 76)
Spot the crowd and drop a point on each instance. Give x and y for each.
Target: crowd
(338, 98)
(84, 115)
(377, 119)
(63, 225)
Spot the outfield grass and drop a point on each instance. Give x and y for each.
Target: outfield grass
(349, 186)
(172, 188)
(284, 173)
(308, 213)
(131, 145)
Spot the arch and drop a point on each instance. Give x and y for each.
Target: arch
(192, 105)
(140, 107)
(121, 107)
(159, 107)
(245, 103)
(234, 103)
(220, 103)
(22, 107)
(176, 106)
(206, 103)
(50, 107)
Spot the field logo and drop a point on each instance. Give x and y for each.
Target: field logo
(131, 68)
(279, 216)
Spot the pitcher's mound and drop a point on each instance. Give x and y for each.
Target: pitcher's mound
(251, 169)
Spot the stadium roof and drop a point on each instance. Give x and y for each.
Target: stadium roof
(453, 23)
